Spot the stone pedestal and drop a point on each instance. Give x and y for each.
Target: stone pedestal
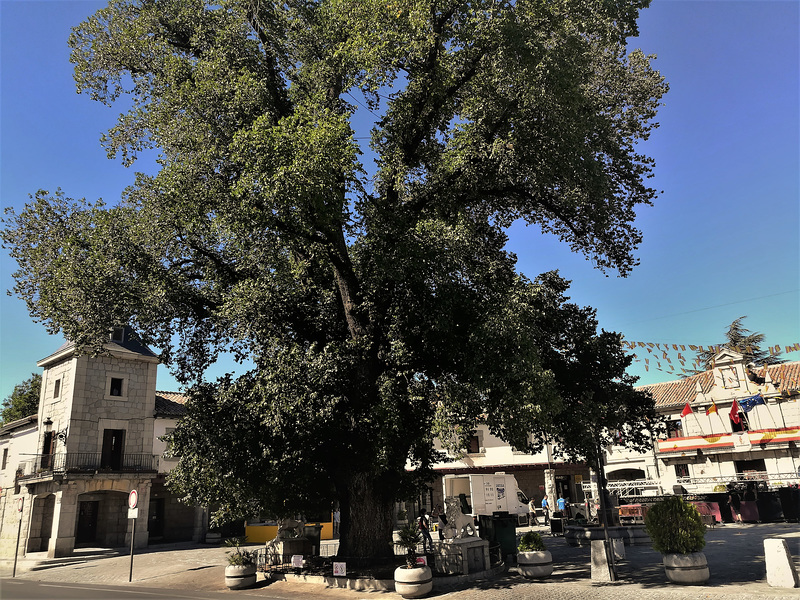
(601, 569)
(780, 567)
(281, 551)
(463, 556)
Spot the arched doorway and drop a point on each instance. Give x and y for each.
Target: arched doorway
(42, 512)
(626, 475)
(102, 519)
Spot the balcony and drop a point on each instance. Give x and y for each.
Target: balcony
(716, 443)
(45, 466)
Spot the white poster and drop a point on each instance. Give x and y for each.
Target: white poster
(339, 569)
(297, 561)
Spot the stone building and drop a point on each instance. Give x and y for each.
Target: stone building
(96, 441)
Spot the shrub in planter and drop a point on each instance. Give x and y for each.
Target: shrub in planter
(241, 570)
(678, 532)
(412, 580)
(533, 559)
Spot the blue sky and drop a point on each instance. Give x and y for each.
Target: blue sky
(722, 240)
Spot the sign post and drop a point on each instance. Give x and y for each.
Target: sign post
(133, 513)
(20, 504)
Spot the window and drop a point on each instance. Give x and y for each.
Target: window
(674, 429)
(474, 445)
(741, 425)
(681, 470)
(118, 335)
(5, 457)
(57, 388)
(116, 387)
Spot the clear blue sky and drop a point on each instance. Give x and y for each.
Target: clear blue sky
(723, 239)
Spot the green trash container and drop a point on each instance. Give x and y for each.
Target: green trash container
(505, 532)
(500, 528)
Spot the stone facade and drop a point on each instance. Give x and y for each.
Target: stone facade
(95, 442)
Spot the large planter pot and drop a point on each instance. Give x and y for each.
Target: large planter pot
(535, 564)
(239, 577)
(687, 569)
(414, 582)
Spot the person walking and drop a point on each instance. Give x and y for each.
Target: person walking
(561, 505)
(532, 520)
(546, 510)
(425, 528)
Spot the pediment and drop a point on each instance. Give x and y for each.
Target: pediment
(727, 357)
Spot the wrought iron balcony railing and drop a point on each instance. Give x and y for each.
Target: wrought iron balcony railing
(86, 462)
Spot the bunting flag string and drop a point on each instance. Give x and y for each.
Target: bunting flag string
(662, 361)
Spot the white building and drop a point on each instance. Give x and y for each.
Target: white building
(711, 444)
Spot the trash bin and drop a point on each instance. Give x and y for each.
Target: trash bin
(557, 523)
(499, 528)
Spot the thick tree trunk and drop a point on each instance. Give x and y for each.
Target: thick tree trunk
(367, 519)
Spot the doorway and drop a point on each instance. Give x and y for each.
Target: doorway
(113, 442)
(87, 521)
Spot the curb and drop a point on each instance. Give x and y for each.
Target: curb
(383, 585)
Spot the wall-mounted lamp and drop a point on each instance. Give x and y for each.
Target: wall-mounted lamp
(48, 424)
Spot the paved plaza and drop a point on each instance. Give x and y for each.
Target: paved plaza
(735, 555)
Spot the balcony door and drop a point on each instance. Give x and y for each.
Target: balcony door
(113, 443)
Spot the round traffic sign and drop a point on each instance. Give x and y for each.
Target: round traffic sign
(133, 498)
(20, 502)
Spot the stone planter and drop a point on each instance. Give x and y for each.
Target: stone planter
(239, 577)
(413, 583)
(686, 569)
(213, 537)
(535, 564)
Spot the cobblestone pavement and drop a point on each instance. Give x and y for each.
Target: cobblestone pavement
(735, 555)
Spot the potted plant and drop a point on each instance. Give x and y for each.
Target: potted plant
(533, 559)
(412, 580)
(678, 532)
(241, 570)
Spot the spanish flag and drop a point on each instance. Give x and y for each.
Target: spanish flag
(711, 409)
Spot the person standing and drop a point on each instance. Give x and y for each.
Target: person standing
(441, 520)
(425, 528)
(546, 510)
(337, 518)
(532, 520)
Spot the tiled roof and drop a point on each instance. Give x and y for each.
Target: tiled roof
(786, 377)
(23, 422)
(130, 342)
(170, 404)
(680, 391)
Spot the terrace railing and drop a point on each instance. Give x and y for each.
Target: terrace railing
(41, 465)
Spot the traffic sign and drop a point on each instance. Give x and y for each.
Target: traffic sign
(133, 499)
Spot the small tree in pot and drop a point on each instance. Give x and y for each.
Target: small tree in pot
(678, 532)
(412, 580)
(533, 559)
(241, 570)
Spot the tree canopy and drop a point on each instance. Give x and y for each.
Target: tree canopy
(335, 182)
(23, 401)
(739, 339)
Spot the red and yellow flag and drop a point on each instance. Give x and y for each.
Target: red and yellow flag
(711, 409)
